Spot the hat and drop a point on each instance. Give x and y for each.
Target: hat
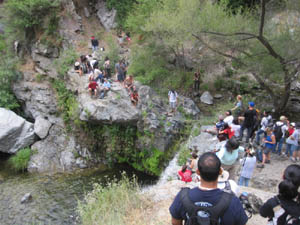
(293, 124)
(232, 144)
(92, 37)
(282, 118)
(224, 176)
(77, 64)
(251, 104)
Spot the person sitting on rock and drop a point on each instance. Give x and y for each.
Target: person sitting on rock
(219, 126)
(185, 174)
(128, 83)
(229, 117)
(77, 67)
(98, 75)
(104, 88)
(225, 133)
(93, 86)
(192, 164)
(134, 97)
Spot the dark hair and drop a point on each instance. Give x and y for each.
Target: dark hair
(229, 112)
(194, 155)
(287, 190)
(184, 167)
(236, 121)
(232, 144)
(292, 173)
(225, 126)
(209, 166)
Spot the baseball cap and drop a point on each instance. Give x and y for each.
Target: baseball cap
(251, 104)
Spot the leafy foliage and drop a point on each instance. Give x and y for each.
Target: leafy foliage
(123, 7)
(66, 60)
(19, 161)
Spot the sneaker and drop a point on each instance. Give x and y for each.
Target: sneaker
(260, 166)
(293, 159)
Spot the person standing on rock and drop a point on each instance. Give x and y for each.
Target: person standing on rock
(186, 205)
(197, 81)
(95, 44)
(250, 118)
(107, 68)
(173, 100)
(238, 108)
(269, 143)
(248, 164)
(292, 144)
(280, 128)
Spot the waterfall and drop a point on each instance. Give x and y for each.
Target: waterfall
(170, 173)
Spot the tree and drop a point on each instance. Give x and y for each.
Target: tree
(250, 38)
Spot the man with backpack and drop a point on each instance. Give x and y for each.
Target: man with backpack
(206, 204)
(280, 129)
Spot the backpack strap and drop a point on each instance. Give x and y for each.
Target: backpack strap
(215, 212)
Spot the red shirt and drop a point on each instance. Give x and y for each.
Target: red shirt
(229, 132)
(135, 96)
(93, 85)
(291, 131)
(186, 176)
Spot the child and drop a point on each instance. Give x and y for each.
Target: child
(248, 165)
(185, 174)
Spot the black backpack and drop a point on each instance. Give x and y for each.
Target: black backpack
(278, 132)
(291, 214)
(200, 215)
(84, 68)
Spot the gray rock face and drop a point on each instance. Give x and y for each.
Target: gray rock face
(15, 132)
(55, 153)
(41, 127)
(116, 107)
(45, 64)
(106, 17)
(44, 50)
(207, 98)
(188, 105)
(38, 98)
(86, 12)
(218, 96)
(70, 24)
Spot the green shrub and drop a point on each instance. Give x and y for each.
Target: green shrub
(123, 7)
(65, 61)
(28, 15)
(113, 203)
(184, 155)
(19, 161)
(219, 83)
(113, 50)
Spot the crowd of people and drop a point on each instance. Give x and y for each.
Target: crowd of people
(101, 76)
(216, 170)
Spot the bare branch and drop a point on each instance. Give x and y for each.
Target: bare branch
(230, 35)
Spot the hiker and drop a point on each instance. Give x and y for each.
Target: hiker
(104, 88)
(265, 121)
(173, 100)
(249, 121)
(289, 141)
(107, 69)
(207, 197)
(192, 163)
(98, 75)
(284, 208)
(219, 126)
(229, 117)
(248, 164)
(77, 67)
(134, 97)
(225, 133)
(83, 65)
(197, 80)
(119, 71)
(292, 144)
(93, 88)
(238, 108)
(128, 83)
(228, 154)
(269, 143)
(95, 43)
(185, 174)
(280, 128)
(236, 127)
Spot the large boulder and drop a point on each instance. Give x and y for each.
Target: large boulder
(38, 99)
(41, 127)
(107, 17)
(188, 106)
(15, 132)
(207, 98)
(56, 153)
(116, 107)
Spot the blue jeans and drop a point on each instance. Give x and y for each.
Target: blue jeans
(243, 181)
(259, 132)
(249, 131)
(94, 48)
(288, 150)
(279, 143)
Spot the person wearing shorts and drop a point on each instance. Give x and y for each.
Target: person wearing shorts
(269, 141)
(173, 100)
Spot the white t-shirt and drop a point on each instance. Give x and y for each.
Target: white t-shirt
(229, 119)
(236, 129)
(173, 96)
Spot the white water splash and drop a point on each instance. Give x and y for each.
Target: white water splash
(170, 173)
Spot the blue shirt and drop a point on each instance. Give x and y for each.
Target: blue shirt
(234, 215)
(106, 85)
(229, 158)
